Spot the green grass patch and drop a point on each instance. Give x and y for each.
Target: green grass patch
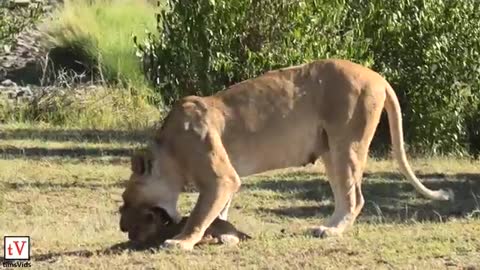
(101, 31)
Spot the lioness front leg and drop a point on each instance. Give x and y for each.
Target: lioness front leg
(209, 204)
(217, 182)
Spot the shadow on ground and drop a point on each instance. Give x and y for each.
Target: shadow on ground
(92, 184)
(113, 250)
(92, 136)
(33, 152)
(87, 135)
(389, 198)
(84, 184)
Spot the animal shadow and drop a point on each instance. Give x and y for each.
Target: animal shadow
(388, 197)
(112, 250)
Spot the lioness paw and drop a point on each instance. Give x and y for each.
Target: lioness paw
(177, 244)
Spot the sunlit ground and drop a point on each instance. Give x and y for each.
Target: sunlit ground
(62, 188)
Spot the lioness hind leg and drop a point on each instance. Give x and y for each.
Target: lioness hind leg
(344, 172)
(348, 150)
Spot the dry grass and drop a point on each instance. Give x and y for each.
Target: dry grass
(67, 202)
(98, 108)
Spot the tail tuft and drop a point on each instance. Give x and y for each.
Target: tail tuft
(445, 194)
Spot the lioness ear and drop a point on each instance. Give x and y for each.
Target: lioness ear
(138, 163)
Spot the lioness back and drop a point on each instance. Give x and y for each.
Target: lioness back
(278, 119)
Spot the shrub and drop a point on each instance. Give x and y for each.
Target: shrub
(207, 45)
(427, 49)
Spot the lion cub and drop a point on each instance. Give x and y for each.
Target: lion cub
(219, 232)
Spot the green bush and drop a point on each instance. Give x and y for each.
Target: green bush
(429, 51)
(99, 32)
(207, 45)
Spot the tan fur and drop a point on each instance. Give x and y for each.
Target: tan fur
(326, 109)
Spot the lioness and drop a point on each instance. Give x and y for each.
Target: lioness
(326, 109)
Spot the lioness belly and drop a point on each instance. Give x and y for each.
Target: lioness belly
(293, 142)
(273, 122)
(261, 159)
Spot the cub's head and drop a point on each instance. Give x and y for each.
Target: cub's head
(150, 197)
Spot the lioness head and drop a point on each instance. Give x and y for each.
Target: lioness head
(150, 197)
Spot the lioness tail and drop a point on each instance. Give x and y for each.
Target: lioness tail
(392, 107)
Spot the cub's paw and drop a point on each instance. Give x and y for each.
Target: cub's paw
(229, 240)
(177, 244)
(325, 232)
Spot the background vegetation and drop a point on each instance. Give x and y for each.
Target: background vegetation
(427, 49)
(100, 33)
(91, 42)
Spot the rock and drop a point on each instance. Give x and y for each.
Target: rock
(7, 65)
(21, 2)
(8, 83)
(27, 50)
(23, 61)
(7, 48)
(24, 92)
